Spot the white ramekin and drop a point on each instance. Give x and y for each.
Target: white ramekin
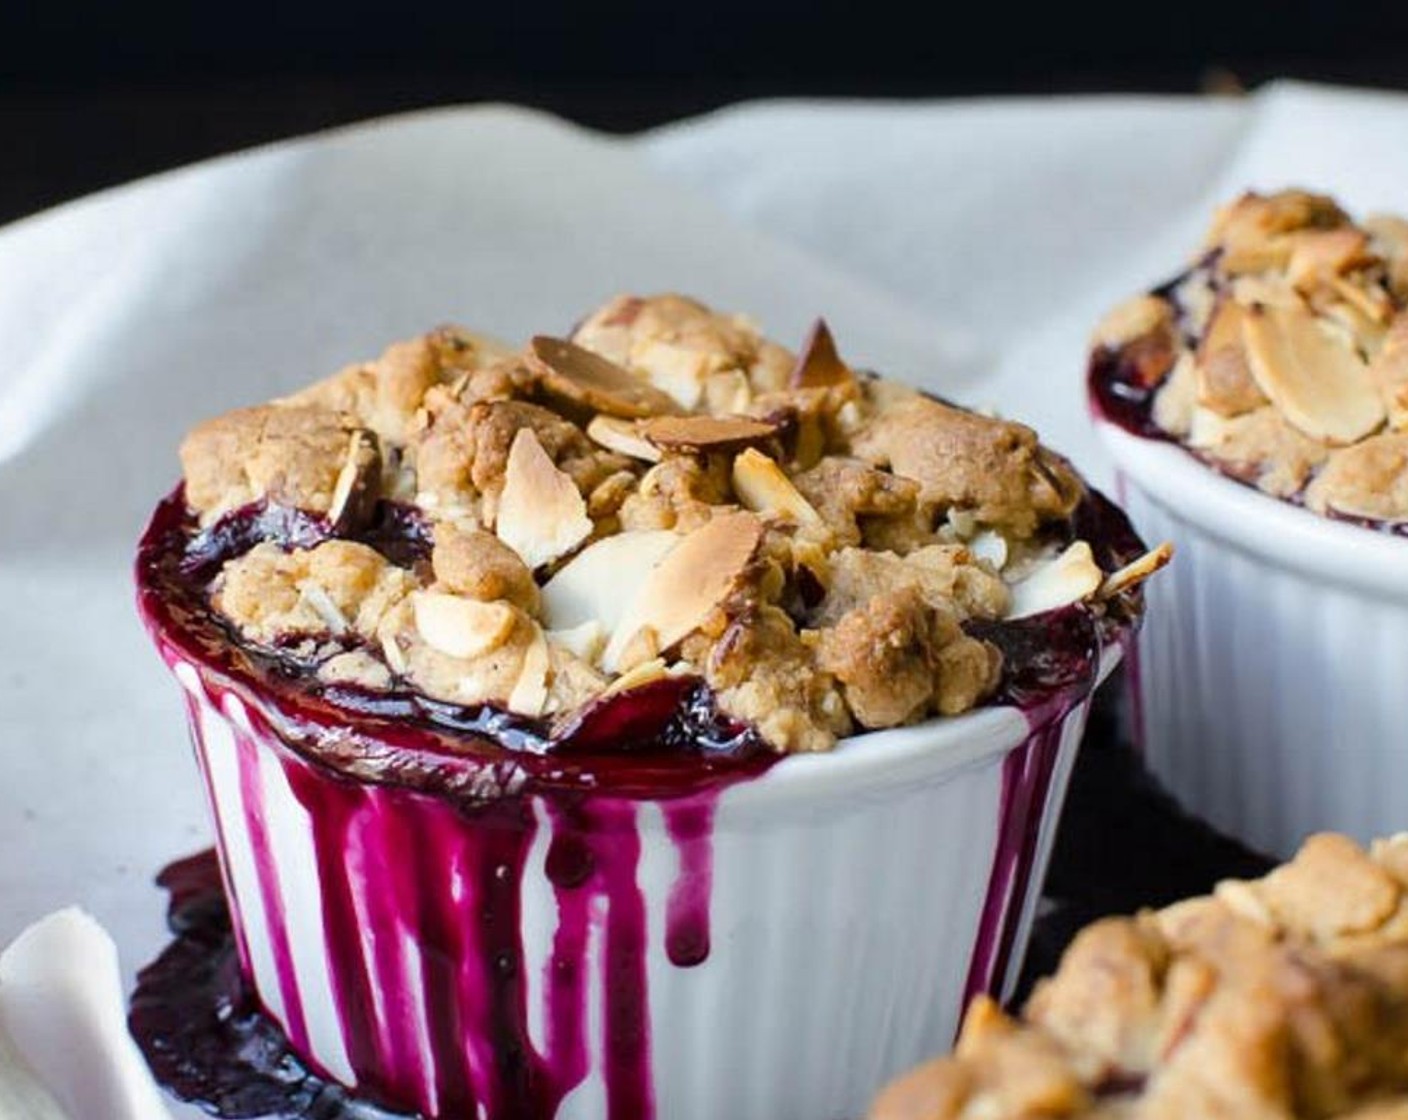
(1272, 678)
(856, 900)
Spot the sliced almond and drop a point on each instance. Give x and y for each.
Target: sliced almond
(542, 516)
(1371, 302)
(459, 627)
(622, 436)
(1242, 899)
(1389, 372)
(1271, 290)
(762, 487)
(354, 494)
(596, 584)
(690, 582)
(653, 670)
(1136, 571)
(1390, 231)
(707, 433)
(1070, 578)
(530, 694)
(727, 393)
(1317, 254)
(819, 365)
(677, 370)
(1318, 383)
(586, 640)
(570, 371)
(1225, 383)
(1134, 319)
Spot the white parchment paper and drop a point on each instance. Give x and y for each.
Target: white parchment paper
(967, 246)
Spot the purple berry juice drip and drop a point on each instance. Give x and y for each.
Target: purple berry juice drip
(691, 826)
(424, 816)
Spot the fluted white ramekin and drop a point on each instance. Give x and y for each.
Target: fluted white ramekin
(854, 901)
(1272, 679)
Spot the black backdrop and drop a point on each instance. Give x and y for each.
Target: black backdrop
(97, 91)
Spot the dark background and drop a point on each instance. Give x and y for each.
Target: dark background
(95, 93)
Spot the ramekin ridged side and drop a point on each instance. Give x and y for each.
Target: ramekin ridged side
(855, 901)
(1271, 673)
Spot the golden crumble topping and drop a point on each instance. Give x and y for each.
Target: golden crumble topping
(1282, 998)
(1281, 356)
(665, 492)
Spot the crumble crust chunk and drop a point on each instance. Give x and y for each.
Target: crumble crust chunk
(1282, 998)
(1281, 355)
(667, 491)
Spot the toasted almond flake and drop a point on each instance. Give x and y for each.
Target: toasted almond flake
(762, 487)
(460, 627)
(354, 493)
(570, 371)
(676, 370)
(727, 392)
(849, 417)
(1389, 372)
(706, 433)
(1317, 254)
(1390, 231)
(690, 582)
(1271, 290)
(1320, 385)
(1178, 397)
(586, 640)
(317, 597)
(1225, 384)
(595, 585)
(530, 693)
(1131, 320)
(1207, 429)
(1069, 578)
(1242, 899)
(1373, 303)
(819, 365)
(1136, 571)
(1252, 254)
(623, 437)
(653, 670)
(541, 514)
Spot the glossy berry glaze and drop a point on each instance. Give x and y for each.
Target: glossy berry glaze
(424, 816)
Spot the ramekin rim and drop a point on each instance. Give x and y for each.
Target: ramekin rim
(1278, 531)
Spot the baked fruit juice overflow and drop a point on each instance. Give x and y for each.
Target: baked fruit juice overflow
(451, 620)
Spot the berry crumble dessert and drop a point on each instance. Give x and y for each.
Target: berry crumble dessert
(666, 494)
(545, 693)
(1280, 357)
(1277, 998)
